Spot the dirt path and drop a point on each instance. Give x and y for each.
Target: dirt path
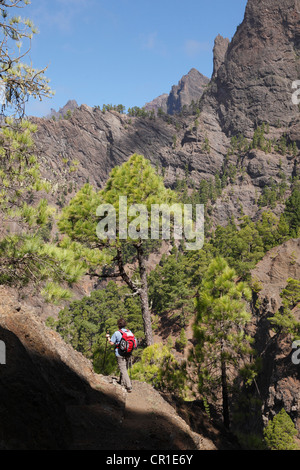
(149, 422)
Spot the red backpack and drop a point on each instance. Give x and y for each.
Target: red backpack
(127, 343)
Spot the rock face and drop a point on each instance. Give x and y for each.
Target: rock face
(158, 103)
(220, 49)
(52, 400)
(279, 384)
(190, 88)
(254, 84)
(99, 141)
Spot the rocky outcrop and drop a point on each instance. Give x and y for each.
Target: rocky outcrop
(220, 48)
(254, 84)
(85, 148)
(98, 141)
(279, 380)
(190, 88)
(51, 399)
(273, 270)
(69, 107)
(158, 103)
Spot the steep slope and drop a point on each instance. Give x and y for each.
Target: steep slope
(99, 141)
(52, 400)
(279, 381)
(92, 143)
(254, 83)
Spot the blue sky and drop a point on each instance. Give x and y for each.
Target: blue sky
(124, 51)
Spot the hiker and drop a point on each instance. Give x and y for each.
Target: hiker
(123, 356)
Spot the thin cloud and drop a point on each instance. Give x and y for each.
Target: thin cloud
(62, 16)
(193, 48)
(151, 42)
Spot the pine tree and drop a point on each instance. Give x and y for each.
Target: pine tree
(169, 289)
(272, 230)
(242, 246)
(292, 212)
(18, 79)
(280, 433)
(159, 367)
(84, 323)
(283, 320)
(181, 342)
(138, 182)
(222, 343)
(25, 256)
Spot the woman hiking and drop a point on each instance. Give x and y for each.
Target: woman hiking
(124, 342)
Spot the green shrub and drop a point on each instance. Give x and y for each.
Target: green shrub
(160, 368)
(181, 342)
(280, 433)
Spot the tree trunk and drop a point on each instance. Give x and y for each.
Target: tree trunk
(143, 293)
(225, 396)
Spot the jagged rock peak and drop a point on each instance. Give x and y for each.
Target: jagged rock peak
(254, 84)
(71, 105)
(190, 88)
(220, 49)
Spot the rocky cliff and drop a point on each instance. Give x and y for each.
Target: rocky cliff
(279, 383)
(220, 48)
(85, 148)
(254, 83)
(99, 141)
